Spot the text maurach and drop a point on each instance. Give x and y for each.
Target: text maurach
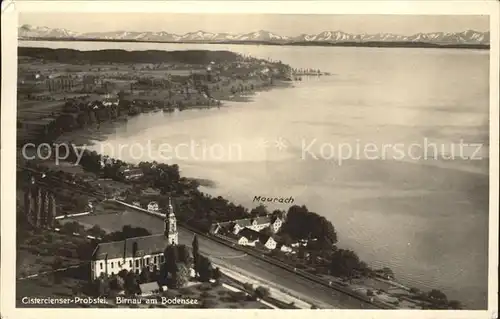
(281, 200)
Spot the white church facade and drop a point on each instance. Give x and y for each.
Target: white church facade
(133, 254)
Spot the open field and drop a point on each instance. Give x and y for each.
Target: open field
(38, 252)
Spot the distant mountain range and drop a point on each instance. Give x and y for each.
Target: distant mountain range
(465, 38)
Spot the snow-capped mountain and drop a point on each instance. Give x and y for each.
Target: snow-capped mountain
(160, 36)
(198, 36)
(261, 35)
(28, 31)
(465, 37)
(468, 37)
(327, 36)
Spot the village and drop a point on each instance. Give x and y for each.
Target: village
(57, 96)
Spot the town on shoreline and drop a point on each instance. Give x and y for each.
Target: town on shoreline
(62, 93)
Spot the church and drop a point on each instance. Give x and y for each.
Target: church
(133, 254)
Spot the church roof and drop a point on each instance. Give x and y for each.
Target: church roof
(249, 234)
(146, 245)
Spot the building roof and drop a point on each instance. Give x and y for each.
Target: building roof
(249, 234)
(149, 287)
(146, 245)
(111, 100)
(246, 222)
(231, 235)
(130, 170)
(264, 238)
(280, 244)
(259, 220)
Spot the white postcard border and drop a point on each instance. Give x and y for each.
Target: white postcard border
(8, 133)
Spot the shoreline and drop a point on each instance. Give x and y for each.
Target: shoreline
(368, 44)
(88, 135)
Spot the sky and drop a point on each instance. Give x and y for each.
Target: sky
(288, 25)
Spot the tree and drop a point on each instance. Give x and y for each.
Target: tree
(344, 263)
(163, 275)
(117, 283)
(455, 304)
(262, 292)
(414, 290)
(131, 286)
(216, 274)
(127, 232)
(437, 295)
(123, 273)
(72, 227)
(279, 213)
(56, 265)
(204, 268)
(387, 273)
(302, 224)
(171, 258)
(96, 231)
(81, 202)
(267, 231)
(180, 277)
(145, 275)
(184, 255)
(286, 239)
(260, 210)
(196, 251)
(103, 286)
(121, 94)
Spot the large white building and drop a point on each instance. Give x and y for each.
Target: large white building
(133, 254)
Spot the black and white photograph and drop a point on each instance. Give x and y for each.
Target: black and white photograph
(205, 160)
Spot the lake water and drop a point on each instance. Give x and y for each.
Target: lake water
(425, 219)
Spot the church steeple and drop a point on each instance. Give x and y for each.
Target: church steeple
(170, 223)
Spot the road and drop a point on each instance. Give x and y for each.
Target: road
(255, 267)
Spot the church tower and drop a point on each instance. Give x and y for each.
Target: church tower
(171, 225)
